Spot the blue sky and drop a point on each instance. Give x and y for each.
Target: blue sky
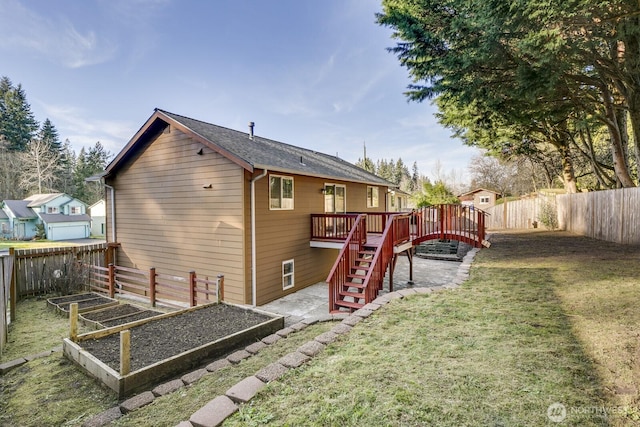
(313, 73)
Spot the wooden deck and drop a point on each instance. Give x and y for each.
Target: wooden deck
(370, 244)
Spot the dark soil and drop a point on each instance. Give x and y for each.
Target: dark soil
(74, 298)
(85, 300)
(112, 312)
(164, 338)
(130, 318)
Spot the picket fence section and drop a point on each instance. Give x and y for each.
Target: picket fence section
(40, 271)
(611, 215)
(5, 280)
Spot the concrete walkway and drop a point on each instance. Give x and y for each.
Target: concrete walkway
(313, 301)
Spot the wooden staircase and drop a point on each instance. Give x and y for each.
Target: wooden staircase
(352, 293)
(358, 274)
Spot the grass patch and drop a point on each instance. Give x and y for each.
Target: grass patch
(545, 318)
(37, 328)
(18, 244)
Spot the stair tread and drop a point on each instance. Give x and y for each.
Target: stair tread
(354, 285)
(352, 294)
(349, 304)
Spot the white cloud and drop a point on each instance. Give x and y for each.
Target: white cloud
(82, 131)
(56, 39)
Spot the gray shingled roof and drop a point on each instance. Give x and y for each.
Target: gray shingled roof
(3, 215)
(41, 199)
(54, 218)
(20, 208)
(263, 153)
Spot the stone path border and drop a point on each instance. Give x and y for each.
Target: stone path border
(217, 410)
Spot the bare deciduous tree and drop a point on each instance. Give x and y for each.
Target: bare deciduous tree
(39, 167)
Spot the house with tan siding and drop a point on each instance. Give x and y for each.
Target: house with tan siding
(184, 195)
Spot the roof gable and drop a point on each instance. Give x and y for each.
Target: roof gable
(249, 153)
(42, 199)
(20, 209)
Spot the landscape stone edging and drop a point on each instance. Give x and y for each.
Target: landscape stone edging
(343, 327)
(221, 407)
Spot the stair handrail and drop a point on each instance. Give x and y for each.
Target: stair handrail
(352, 246)
(380, 261)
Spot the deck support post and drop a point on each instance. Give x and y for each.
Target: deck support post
(409, 253)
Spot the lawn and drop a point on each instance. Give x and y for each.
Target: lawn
(32, 244)
(545, 328)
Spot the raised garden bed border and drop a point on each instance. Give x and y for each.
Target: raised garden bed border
(125, 385)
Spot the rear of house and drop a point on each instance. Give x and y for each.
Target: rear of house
(187, 195)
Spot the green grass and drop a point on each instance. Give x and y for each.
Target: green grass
(37, 328)
(18, 244)
(545, 317)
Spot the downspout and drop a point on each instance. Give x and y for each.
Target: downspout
(113, 212)
(253, 236)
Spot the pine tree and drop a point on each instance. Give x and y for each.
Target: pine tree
(49, 135)
(17, 123)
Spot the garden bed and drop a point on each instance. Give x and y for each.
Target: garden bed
(116, 315)
(87, 301)
(169, 344)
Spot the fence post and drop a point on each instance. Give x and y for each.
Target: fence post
(192, 288)
(13, 294)
(125, 352)
(152, 286)
(220, 288)
(112, 280)
(73, 321)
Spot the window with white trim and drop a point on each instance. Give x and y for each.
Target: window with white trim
(372, 197)
(288, 270)
(280, 192)
(52, 210)
(484, 200)
(335, 199)
(76, 210)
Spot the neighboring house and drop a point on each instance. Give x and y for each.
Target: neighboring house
(22, 219)
(5, 229)
(399, 201)
(63, 217)
(188, 195)
(480, 198)
(98, 218)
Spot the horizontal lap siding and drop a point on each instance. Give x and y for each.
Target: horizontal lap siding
(167, 220)
(285, 234)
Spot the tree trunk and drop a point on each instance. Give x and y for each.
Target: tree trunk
(617, 150)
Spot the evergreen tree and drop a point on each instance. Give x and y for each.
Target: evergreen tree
(49, 135)
(88, 163)
(17, 123)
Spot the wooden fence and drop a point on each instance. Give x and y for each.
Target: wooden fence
(612, 215)
(158, 288)
(5, 269)
(517, 214)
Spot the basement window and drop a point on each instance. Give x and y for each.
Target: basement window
(280, 192)
(288, 280)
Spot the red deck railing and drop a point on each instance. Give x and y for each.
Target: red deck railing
(346, 258)
(391, 229)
